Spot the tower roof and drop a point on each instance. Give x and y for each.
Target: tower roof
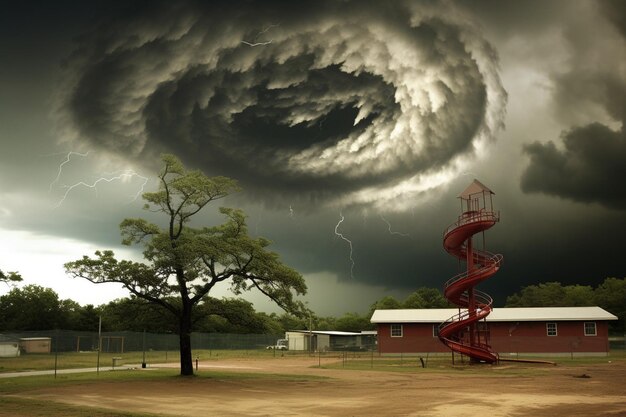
(475, 187)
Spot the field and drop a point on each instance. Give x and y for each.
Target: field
(261, 384)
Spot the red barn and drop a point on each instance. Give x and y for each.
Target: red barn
(529, 331)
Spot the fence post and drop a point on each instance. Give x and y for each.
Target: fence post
(56, 352)
(143, 362)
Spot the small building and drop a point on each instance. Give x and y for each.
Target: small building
(9, 347)
(36, 344)
(527, 331)
(329, 340)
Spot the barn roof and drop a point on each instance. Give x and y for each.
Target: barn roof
(439, 315)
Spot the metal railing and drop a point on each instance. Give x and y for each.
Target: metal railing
(473, 217)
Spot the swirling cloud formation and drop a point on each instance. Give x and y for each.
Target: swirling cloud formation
(333, 102)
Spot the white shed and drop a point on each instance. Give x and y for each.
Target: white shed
(324, 340)
(9, 347)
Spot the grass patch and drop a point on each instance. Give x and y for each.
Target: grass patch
(70, 360)
(15, 407)
(29, 383)
(443, 364)
(441, 368)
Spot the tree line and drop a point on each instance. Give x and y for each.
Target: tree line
(36, 308)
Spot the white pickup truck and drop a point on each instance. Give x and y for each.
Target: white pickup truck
(281, 344)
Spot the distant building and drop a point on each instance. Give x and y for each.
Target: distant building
(528, 331)
(9, 347)
(328, 340)
(36, 344)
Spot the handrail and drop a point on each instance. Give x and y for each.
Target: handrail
(496, 261)
(473, 217)
(456, 289)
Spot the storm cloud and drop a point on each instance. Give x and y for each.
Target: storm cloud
(330, 103)
(376, 112)
(589, 169)
(588, 165)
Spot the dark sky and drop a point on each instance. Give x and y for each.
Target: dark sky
(351, 125)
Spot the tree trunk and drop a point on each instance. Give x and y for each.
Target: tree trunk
(186, 361)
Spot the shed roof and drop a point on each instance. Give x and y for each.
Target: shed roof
(327, 332)
(439, 315)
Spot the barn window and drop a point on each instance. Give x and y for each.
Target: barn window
(396, 330)
(551, 329)
(590, 328)
(435, 330)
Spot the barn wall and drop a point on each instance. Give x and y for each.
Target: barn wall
(506, 338)
(531, 337)
(415, 338)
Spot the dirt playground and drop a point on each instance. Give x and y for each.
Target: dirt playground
(509, 389)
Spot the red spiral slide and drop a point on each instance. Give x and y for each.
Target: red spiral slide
(464, 332)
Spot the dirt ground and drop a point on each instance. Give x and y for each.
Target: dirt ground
(597, 390)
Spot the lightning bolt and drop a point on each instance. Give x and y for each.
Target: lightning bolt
(391, 232)
(337, 233)
(126, 175)
(122, 175)
(67, 160)
(255, 43)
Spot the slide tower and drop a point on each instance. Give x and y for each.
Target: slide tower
(466, 332)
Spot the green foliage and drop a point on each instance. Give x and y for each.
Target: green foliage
(386, 303)
(552, 294)
(353, 322)
(10, 277)
(610, 295)
(30, 308)
(183, 263)
(232, 315)
(37, 308)
(136, 315)
(79, 317)
(423, 297)
(290, 322)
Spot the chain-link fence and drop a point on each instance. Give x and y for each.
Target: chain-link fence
(120, 342)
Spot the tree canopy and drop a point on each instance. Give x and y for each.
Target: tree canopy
(183, 263)
(423, 297)
(37, 308)
(610, 295)
(10, 277)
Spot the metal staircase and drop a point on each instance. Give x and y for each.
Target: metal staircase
(465, 332)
